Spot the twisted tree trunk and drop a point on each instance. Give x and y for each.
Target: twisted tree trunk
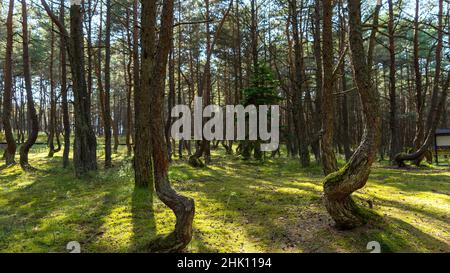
(182, 206)
(32, 116)
(339, 186)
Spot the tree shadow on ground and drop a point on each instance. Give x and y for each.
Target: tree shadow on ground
(143, 220)
(46, 213)
(297, 221)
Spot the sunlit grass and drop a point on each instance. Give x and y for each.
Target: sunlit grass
(270, 206)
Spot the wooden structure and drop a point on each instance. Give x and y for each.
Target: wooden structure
(441, 143)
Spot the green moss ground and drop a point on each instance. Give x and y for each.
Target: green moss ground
(274, 206)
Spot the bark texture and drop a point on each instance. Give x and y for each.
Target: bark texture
(142, 149)
(182, 206)
(11, 147)
(339, 186)
(328, 157)
(31, 110)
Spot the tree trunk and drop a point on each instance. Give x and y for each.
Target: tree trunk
(298, 112)
(142, 147)
(393, 120)
(85, 159)
(64, 102)
(317, 50)
(420, 101)
(170, 102)
(107, 105)
(10, 151)
(32, 116)
(183, 207)
(129, 127)
(328, 157)
(339, 186)
(436, 104)
(344, 109)
(52, 116)
(205, 85)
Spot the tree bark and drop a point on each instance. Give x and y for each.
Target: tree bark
(52, 116)
(183, 207)
(31, 110)
(129, 127)
(339, 186)
(85, 153)
(328, 157)
(393, 120)
(420, 101)
(205, 85)
(107, 105)
(10, 151)
(298, 112)
(345, 110)
(142, 147)
(64, 102)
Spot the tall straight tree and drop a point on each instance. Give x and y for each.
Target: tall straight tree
(85, 145)
(420, 98)
(153, 83)
(7, 96)
(437, 102)
(107, 107)
(339, 186)
(393, 119)
(328, 157)
(299, 117)
(143, 176)
(205, 85)
(64, 102)
(31, 110)
(317, 49)
(136, 65)
(52, 114)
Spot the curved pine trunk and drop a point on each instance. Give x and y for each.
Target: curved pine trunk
(183, 207)
(339, 185)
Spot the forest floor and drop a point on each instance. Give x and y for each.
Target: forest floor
(241, 206)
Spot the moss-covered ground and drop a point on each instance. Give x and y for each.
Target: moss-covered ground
(241, 206)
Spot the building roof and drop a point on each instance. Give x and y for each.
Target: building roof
(443, 131)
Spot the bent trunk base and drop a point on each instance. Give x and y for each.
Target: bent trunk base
(345, 213)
